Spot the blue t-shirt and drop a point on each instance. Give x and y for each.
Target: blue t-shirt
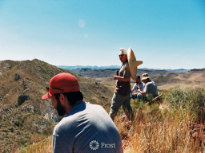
(86, 128)
(151, 88)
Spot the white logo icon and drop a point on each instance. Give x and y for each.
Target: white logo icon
(94, 145)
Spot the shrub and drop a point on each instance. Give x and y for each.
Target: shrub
(192, 99)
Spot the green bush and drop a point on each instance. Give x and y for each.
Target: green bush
(192, 99)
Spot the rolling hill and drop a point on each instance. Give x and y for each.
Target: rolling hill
(24, 117)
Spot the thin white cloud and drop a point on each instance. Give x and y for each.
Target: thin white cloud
(81, 23)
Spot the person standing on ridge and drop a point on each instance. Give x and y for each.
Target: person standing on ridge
(85, 127)
(122, 92)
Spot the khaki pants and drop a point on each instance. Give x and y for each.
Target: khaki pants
(117, 101)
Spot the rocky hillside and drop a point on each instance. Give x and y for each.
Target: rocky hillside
(24, 117)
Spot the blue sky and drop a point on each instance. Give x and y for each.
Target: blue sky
(162, 33)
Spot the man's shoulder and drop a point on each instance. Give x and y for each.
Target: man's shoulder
(149, 84)
(96, 110)
(71, 119)
(126, 65)
(126, 68)
(88, 118)
(94, 106)
(64, 125)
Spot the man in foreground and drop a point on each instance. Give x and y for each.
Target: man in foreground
(86, 127)
(122, 92)
(137, 85)
(150, 87)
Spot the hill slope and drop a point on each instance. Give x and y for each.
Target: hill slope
(23, 115)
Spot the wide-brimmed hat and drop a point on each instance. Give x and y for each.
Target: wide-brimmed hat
(145, 76)
(133, 63)
(62, 83)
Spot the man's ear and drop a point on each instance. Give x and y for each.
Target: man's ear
(62, 98)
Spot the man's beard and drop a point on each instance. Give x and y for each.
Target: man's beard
(60, 109)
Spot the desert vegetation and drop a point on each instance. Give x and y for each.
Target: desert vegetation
(172, 124)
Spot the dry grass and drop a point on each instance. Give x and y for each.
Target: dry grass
(156, 128)
(165, 128)
(157, 132)
(43, 146)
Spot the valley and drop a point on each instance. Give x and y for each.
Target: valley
(163, 78)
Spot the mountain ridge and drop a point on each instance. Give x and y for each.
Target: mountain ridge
(88, 66)
(76, 67)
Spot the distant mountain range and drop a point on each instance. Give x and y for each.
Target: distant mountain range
(113, 67)
(172, 70)
(88, 66)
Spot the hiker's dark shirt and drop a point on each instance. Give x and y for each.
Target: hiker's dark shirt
(123, 88)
